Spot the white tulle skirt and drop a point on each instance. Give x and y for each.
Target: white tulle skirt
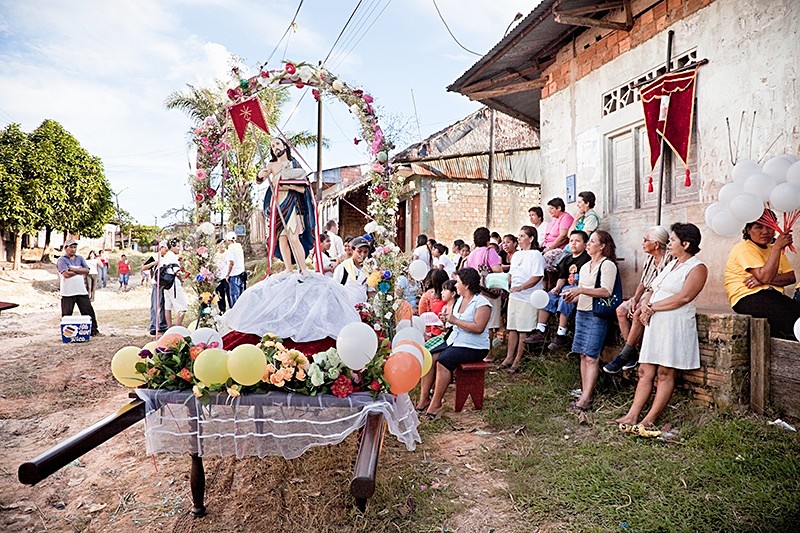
(292, 306)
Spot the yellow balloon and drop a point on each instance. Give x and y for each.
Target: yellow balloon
(123, 366)
(211, 366)
(427, 360)
(247, 364)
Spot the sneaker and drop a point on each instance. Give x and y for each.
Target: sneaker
(614, 366)
(631, 362)
(537, 337)
(561, 341)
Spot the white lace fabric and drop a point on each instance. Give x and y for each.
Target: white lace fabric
(272, 424)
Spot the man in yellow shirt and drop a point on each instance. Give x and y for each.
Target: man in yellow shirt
(755, 274)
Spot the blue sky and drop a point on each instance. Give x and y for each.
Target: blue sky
(103, 70)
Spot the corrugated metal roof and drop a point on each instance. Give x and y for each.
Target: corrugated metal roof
(532, 44)
(520, 166)
(471, 135)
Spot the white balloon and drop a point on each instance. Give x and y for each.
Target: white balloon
(539, 299)
(761, 185)
(712, 210)
(413, 350)
(777, 167)
(793, 174)
(797, 329)
(208, 336)
(725, 224)
(418, 324)
(418, 269)
(747, 207)
(357, 344)
(402, 324)
(180, 330)
(785, 197)
(729, 191)
(744, 169)
(408, 334)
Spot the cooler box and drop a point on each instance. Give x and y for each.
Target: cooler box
(76, 328)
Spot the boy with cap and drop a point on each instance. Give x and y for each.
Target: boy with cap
(71, 269)
(350, 273)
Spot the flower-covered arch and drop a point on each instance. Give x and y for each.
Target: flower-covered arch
(244, 108)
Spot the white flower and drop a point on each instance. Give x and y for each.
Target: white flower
(304, 73)
(380, 230)
(206, 228)
(337, 85)
(390, 211)
(316, 375)
(354, 109)
(334, 372)
(376, 326)
(396, 306)
(388, 315)
(371, 226)
(389, 297)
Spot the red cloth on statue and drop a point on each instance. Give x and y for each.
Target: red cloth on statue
(668, 112)
(235, 338)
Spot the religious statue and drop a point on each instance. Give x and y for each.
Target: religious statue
(289, 207)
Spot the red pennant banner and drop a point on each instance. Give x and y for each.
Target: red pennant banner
(246, 112)
(668, 113)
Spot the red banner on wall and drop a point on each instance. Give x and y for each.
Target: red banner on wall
(668, 113)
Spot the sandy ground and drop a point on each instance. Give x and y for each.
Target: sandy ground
(50, 391)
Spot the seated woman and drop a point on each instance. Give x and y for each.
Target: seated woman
(431, 301)
(586, 219)
(755, 275)
(527, 270)
(668, 313)
(556, 235)
(469, 341)
(590, 330)
(654, 245)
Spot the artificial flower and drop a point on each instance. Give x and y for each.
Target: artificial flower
(198, 390)
(337, 85)
(315, 375)
(375, 385)
(194, 351)
(290, 68)
(186, 374)
(201, 174)
(233, 391)
(206, 228)
(342, 387)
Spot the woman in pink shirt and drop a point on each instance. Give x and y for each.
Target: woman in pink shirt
(485, 260)
(557, 233)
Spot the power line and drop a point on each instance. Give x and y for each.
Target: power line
(358, 23)
(451, 33)
(341, 32)
(289, 27)
(363, 34)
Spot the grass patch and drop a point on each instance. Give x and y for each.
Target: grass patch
(727, 474)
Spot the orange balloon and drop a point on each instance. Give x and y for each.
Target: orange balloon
(168, 340)
(402, 371)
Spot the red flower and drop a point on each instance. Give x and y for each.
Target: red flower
(231, 94)
(316, 94)
(265, 74)
(198, 197)
(356, 140)
(358, 92)
(342, 387)
(299, 84)
(185, 374)
(375, 385)
(367, 98)
(211, 193)
(385, 195)
(290, 68)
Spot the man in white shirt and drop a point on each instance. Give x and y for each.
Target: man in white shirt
(235, 275)
(71, 269)
(350, 272)
(174, 297)
(336, 251)
(422, 252)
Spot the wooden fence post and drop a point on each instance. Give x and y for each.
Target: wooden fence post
(759, 365)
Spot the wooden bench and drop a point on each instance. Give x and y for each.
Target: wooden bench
(470, 380)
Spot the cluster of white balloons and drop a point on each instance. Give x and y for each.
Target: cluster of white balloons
(742, 200)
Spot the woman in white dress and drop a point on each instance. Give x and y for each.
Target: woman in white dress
(668, 313)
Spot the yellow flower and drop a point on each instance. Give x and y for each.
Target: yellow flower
(198, 389)
(233, 391)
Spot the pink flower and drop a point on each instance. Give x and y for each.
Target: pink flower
(201, 174)
(367, 98)
(202, 250)
(377, 167)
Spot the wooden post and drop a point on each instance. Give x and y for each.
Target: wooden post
(759, 365)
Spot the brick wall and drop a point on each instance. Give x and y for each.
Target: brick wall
(590, 53)
(456, 208)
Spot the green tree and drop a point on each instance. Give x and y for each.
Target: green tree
(18, 194)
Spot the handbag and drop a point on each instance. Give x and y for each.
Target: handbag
(606, 308)
(484, 270)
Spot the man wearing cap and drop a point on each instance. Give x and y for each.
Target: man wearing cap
(235, 275)
(351, 274)
(71, 269)
(157, 294)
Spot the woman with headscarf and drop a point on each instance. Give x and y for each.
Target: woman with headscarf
(654, 245)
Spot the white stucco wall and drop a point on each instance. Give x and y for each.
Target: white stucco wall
(753, 48)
